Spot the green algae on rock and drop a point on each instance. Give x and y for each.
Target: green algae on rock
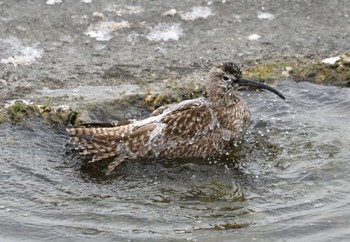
(21, 110)
(315, 71)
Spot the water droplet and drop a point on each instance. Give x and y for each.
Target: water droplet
(128, 116)
(226, 135)
(93, 159)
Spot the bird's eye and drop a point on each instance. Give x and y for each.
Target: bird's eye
(225, 78)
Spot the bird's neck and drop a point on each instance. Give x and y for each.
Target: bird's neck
(232, 112)
(221, 98)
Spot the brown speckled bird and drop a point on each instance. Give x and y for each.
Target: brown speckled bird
(202, 127)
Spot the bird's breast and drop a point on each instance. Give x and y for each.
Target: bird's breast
(235, 118)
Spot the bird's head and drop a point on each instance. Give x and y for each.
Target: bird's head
(227, 77)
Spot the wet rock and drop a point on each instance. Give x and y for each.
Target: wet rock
(118, 73)
(170, 12)
(19, 111)
(334, 71)
(331, 60)
(153, 89)
(149, 63)
(98, 16)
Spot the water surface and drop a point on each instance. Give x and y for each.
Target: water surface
(289, 181)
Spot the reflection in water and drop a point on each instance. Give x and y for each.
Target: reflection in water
(289, 179)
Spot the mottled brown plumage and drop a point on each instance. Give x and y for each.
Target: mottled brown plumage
(202, 127)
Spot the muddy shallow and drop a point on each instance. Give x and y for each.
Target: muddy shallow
(289, 180)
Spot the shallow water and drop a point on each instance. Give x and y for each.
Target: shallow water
(289, 180)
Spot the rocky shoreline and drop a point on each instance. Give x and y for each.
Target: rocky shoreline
(64, 108)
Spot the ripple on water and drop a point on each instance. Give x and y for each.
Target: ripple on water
(288, 180)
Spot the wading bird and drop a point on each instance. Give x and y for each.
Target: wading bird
(202, 127)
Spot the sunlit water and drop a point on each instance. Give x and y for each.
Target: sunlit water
(289, 181)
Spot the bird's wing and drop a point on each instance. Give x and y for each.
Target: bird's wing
(160, 110)
(189, 121)
(198, 102)
(180, 121)
(104, 125)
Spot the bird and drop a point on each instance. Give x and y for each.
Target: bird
(207, 126)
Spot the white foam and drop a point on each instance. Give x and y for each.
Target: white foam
(103, 30)
(165, 32)
(122, 10)
(267, 16)
(20, 54)
(155, 139)
(196, 13)
(253, 37)
(52, 2)
(10, 103)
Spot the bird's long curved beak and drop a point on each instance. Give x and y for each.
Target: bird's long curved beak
(249, 83)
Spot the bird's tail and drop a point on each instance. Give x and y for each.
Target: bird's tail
(121, 142)
(101, 143)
